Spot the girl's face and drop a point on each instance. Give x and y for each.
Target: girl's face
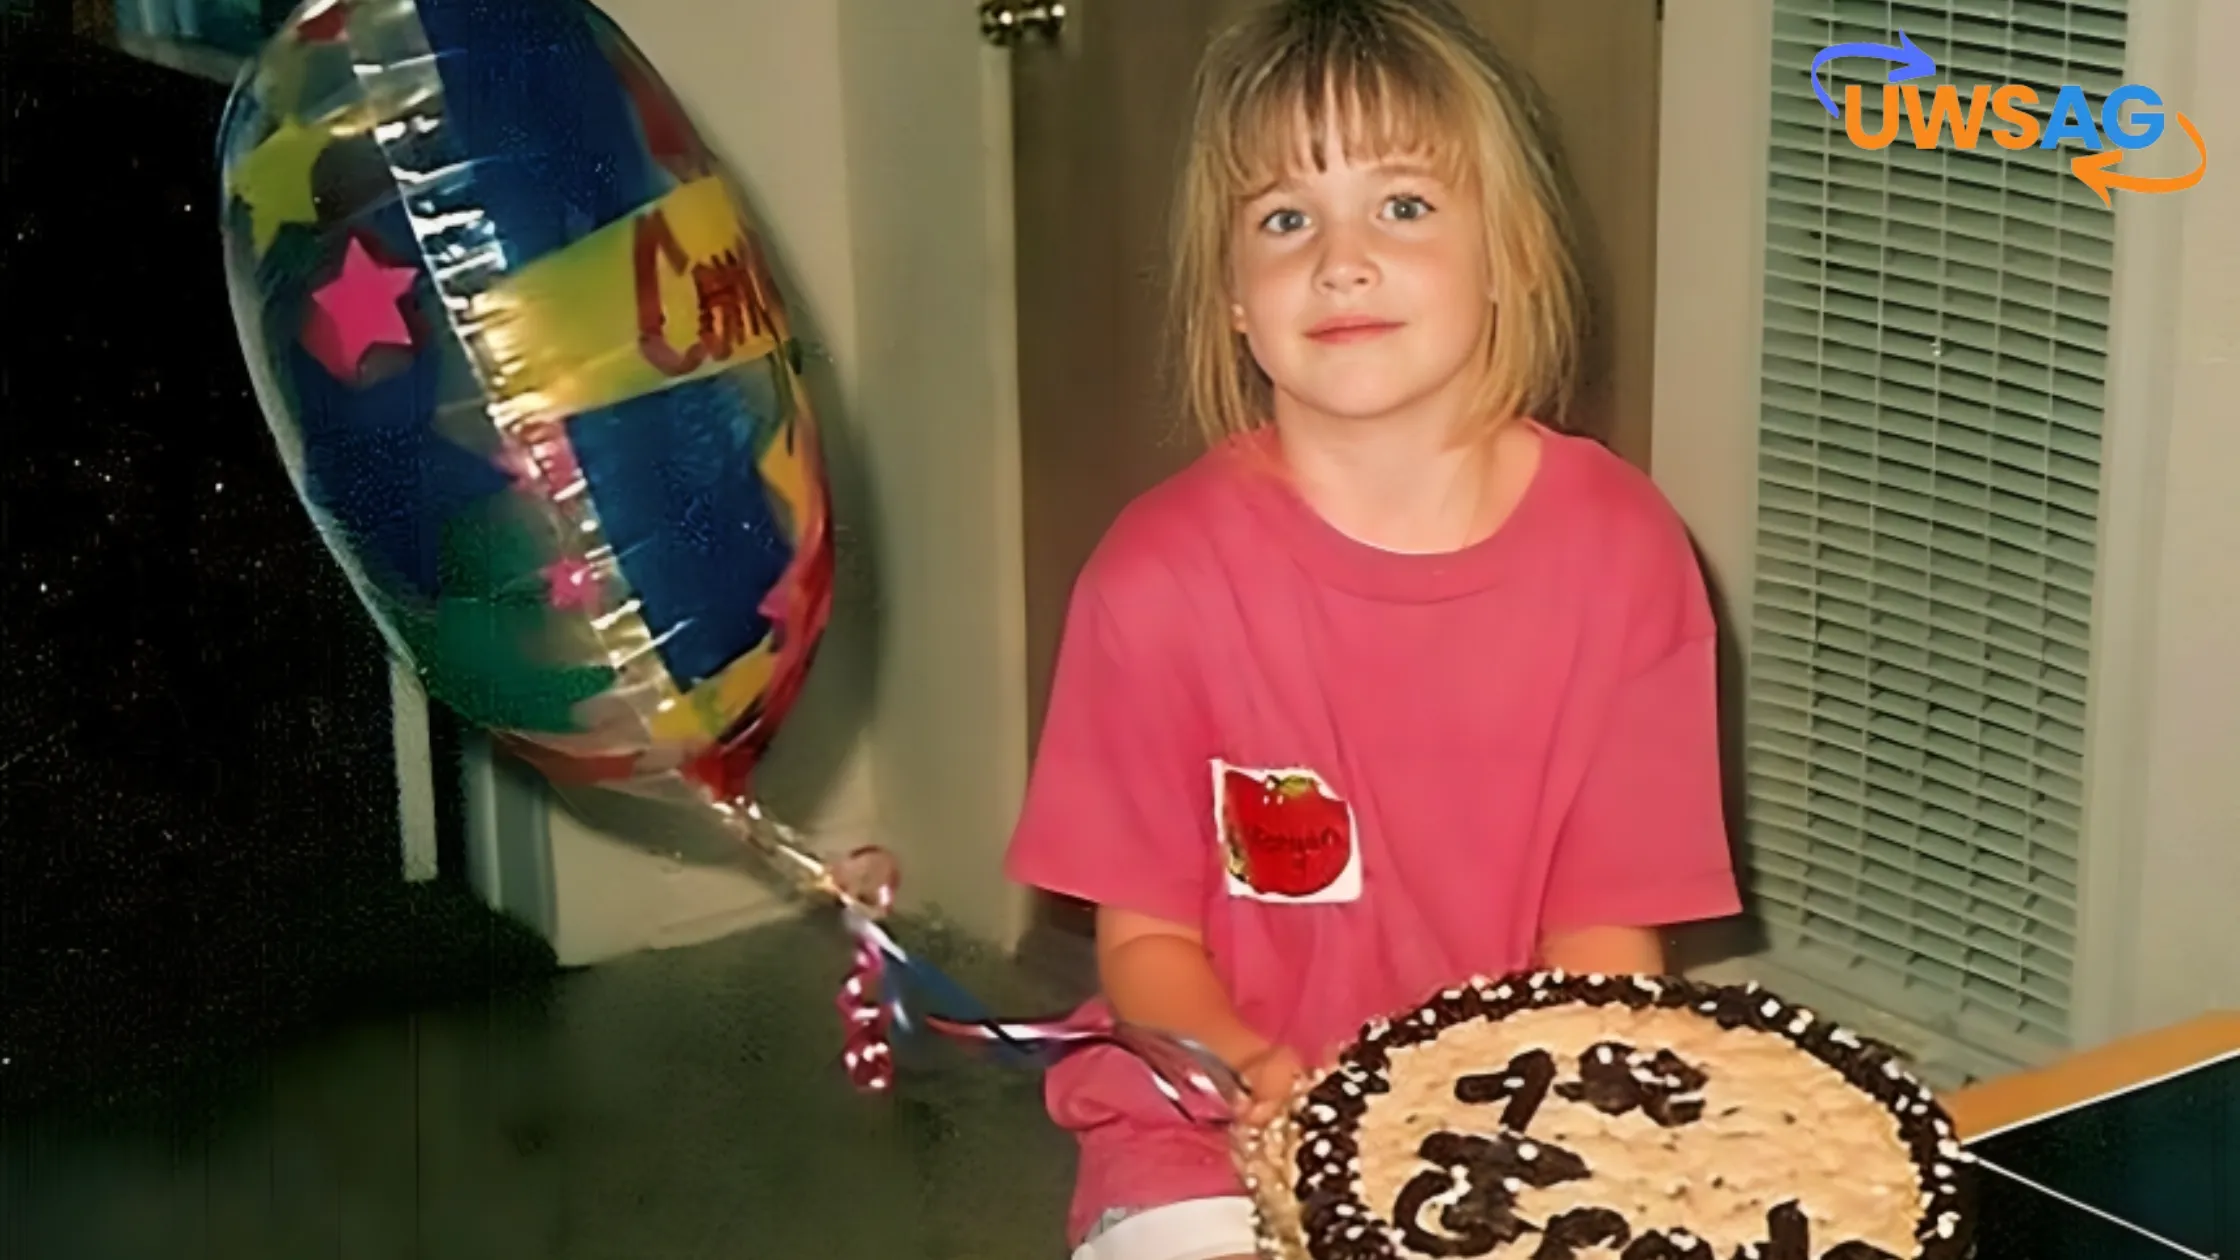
(1363, 288)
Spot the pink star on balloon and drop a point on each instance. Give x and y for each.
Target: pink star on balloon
(357, 310)
(571, 584)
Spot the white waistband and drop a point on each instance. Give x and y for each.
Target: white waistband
(1194, 1229)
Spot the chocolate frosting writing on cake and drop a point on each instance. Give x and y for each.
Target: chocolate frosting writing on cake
(1477, 1180)
(1466, 1203)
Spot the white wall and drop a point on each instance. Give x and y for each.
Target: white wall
(929, 166)
(872, 139)
(2161, 939)
(2186, 817)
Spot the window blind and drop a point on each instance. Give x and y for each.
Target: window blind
(1935, 349)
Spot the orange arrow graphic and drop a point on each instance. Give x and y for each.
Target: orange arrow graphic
(2098, 172)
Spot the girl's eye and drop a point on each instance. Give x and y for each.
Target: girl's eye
(1408, 206)
(1284, 221)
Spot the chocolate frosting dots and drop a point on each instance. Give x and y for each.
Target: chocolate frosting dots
(1542, 1116)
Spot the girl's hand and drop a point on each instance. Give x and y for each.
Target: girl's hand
(1269, 1077)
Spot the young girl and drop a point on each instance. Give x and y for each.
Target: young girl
(1396, 684)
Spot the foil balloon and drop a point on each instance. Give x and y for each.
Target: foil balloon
(517, 342)
(515, 336)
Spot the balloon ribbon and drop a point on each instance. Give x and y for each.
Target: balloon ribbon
(873, 999)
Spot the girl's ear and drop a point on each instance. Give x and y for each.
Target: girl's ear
(1236, 316)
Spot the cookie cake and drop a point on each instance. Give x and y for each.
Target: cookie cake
(1541, 1116)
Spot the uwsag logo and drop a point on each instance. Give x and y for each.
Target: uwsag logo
(2068, 118)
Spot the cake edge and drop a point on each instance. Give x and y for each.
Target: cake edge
(1300, 1198)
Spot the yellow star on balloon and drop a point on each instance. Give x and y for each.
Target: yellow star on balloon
(275, 179)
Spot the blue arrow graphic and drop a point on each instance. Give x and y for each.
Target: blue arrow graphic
(1912, 64)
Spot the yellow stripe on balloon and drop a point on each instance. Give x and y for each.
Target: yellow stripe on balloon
(667, 295)
(785, 470)
(716, 704)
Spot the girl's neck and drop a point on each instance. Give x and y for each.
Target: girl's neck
(1406, 485)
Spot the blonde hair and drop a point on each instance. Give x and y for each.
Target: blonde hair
(1385, 77)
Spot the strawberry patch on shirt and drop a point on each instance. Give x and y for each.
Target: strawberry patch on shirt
(1285, 836)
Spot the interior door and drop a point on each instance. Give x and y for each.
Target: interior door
(1097, 123)
(1596, 66)
(1100, 102)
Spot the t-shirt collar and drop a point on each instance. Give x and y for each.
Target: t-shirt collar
(1333, 557)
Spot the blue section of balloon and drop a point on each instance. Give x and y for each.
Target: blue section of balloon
(674, 475)
(556, 143)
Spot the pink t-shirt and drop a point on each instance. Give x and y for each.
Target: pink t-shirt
(1367, 775)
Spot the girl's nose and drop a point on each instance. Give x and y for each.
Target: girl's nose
(1344, 265)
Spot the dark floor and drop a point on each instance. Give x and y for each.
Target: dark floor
(684, 1105)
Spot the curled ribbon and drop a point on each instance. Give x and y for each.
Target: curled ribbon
(872, 1001)
(1200, 1086)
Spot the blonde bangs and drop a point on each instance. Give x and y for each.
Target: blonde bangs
(1288, 112)
(1389, 78)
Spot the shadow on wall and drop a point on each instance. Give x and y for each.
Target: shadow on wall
(1592, 407)
(809, 755)
(1702, 944)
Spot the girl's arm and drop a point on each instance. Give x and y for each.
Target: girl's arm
(1610, 951)
(1156, 973)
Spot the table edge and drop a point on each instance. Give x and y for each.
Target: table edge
(1991, 1106)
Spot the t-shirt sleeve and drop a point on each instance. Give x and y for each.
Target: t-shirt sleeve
(1645, 840)
(1119, 800)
